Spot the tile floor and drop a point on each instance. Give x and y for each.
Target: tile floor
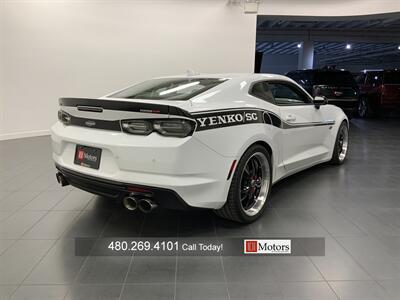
(356, 207)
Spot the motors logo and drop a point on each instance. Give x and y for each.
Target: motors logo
(267, 247)
(251, 246)
(81, 154)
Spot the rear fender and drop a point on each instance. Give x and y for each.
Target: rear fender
(234, 141)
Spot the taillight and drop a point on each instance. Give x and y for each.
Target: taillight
(64, 117)
(141, 127)
(166, 127)
(178, 128)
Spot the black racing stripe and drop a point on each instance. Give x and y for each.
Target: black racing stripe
(176, 111)
(214, 119)
(94, 123)
(234, 110)
(310, 124)
(124, 106)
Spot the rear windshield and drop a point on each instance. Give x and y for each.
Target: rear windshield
(334, 78)
(169, 88)
(391, 77)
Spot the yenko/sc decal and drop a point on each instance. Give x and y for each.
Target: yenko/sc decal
(228, 118)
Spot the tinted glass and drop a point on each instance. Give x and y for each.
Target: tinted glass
(286, 94)
(169, 88)
(334, 78)
(391, 77)
(261, 90)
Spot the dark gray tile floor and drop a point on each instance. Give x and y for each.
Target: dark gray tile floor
(356, 207)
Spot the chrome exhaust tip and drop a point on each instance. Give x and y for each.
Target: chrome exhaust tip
(147, 205)
(61, 179)
(130, 203)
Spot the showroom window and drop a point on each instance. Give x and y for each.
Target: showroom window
(169, 88)
(287, 95)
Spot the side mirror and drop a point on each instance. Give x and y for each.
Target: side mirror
(319, 100)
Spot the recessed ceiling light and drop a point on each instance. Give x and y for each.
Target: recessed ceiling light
(299, 45)
(348, 46)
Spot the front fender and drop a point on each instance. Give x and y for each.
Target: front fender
(334, 113)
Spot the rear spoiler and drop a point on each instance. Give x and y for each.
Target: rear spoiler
(97, 105)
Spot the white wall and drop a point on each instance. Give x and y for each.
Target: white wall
(327, 7)
(86, 48)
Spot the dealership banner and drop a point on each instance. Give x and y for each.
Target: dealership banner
(298, 246)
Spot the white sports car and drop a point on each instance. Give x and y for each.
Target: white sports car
(207, 141)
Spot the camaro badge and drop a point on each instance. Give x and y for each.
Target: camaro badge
(90, 123)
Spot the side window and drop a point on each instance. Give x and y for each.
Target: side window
(261, 90)
(285, 94)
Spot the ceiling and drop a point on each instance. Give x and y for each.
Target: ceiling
(331, 37)
(328, 48)
(391, 23)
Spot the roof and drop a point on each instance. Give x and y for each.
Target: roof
(243, 76)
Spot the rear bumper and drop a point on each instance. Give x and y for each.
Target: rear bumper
(187, 167)
(117, 190)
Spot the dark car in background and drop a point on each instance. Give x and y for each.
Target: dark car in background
(337, 86)
(379, 91)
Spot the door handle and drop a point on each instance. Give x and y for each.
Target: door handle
(290, 118)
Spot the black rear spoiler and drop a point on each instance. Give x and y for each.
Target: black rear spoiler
(96, 105)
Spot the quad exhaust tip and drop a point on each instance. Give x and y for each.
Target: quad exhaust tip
(130, 203)
(147, 205)
(61, 179)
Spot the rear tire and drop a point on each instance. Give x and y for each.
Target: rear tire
(250, 187)
(341, 145)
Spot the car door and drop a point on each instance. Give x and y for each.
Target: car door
(304, 127)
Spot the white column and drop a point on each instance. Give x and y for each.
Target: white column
(306, 55)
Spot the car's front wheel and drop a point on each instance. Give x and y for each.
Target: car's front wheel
(250, 186)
